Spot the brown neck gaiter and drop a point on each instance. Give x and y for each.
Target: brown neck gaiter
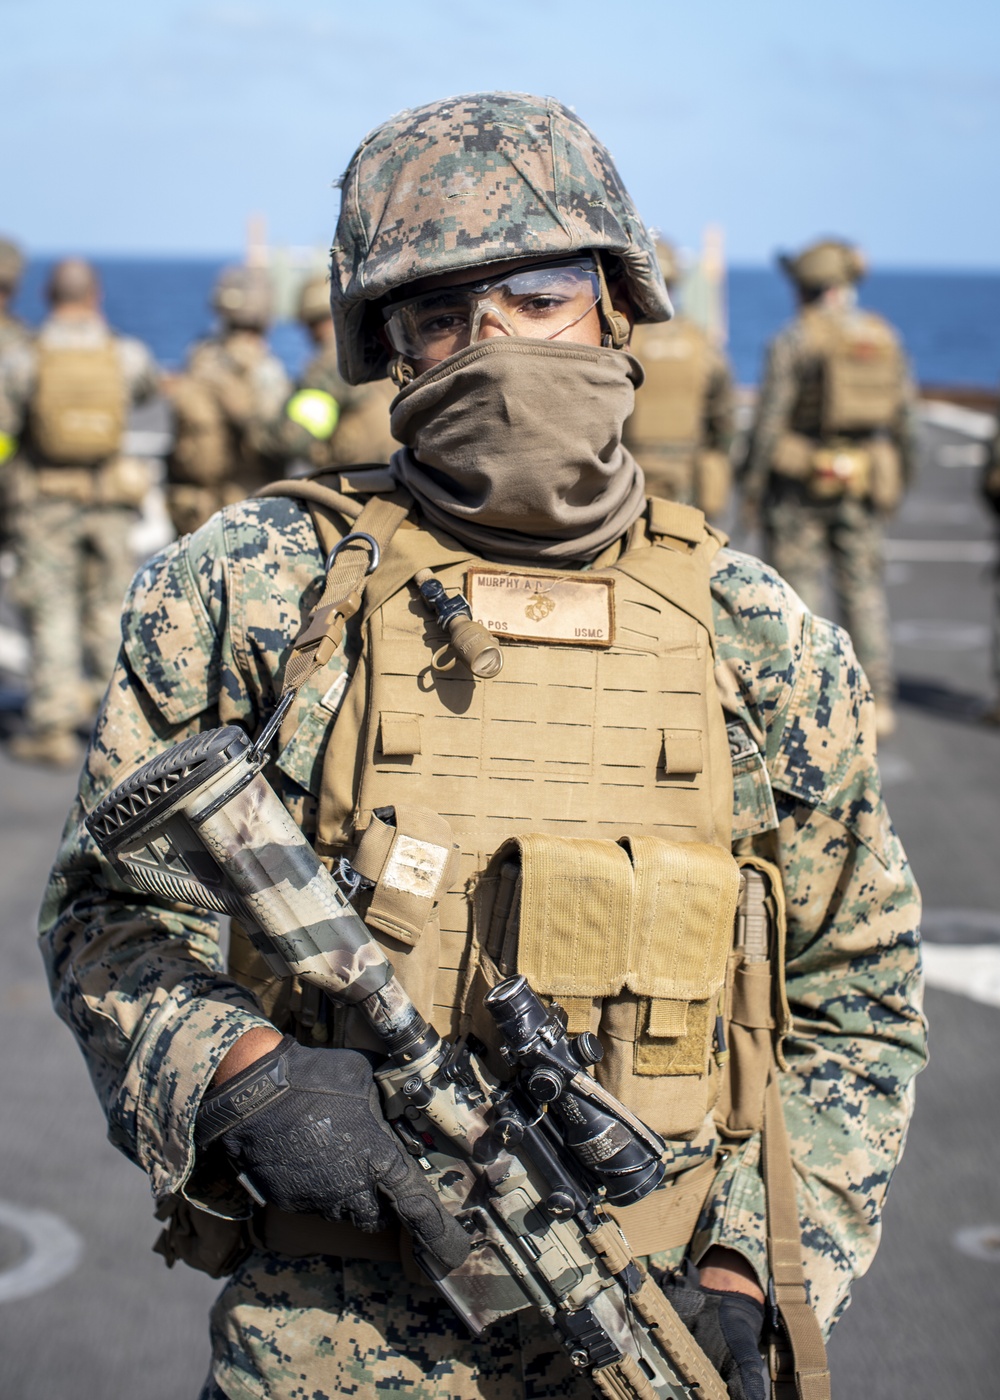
(513, 446)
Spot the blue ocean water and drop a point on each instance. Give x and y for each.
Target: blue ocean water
(950, 321)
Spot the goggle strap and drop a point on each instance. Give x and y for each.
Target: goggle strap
(619, 329)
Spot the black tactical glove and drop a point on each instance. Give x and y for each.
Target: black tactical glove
(305, 1130)
(727, 1327)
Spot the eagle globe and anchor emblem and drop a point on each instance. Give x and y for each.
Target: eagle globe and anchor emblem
(539, 606)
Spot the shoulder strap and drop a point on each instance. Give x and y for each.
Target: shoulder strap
(349, 559)
(808, 1376)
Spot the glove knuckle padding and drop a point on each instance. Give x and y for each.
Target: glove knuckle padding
(322, 1146)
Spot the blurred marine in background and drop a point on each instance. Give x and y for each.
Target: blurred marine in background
(327, 422)
(73, 497)
(832, 451)
(663, 697)
(13, 331)
(229, 393)
(682, 426)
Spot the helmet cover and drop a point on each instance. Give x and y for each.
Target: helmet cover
(243, 297)
(314, 300)
(831, 262)
(466, 182)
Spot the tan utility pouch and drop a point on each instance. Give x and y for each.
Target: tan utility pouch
(124, 481)
(841, 471)
(757, 1015)
(202, 454)
(887, 483)
(411, 863)
(209, 1243)
(713, 481)
(632, 939)
(78, 409)
(792, 456)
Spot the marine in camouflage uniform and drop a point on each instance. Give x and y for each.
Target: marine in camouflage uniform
(327, 422)
(207, 632)
(230, 391)
(823, 488)
(13, 331)
(71, 508)
(682, 427)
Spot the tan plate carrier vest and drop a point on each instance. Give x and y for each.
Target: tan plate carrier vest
(78, 409)
(666, 430)
(838, 439)
(588, 788)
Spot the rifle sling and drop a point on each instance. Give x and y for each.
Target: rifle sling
(808, 1375)
(321, 635)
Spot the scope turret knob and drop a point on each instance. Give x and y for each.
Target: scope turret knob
(545, 1085)
(588, 1049)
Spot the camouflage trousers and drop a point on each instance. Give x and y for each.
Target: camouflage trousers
(314, 1328)
(805, 540)
(74, 564)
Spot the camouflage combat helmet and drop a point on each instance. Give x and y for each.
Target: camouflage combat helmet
(11, 265)
(473, 180)
(242, 297)
(831, 262)
(314, 300)
(72, 280)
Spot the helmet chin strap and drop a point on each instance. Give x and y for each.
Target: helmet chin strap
(401, 372)
(616, 337)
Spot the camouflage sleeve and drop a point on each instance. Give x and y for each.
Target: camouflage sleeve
(774, 406)
(140, 369)
(852, 959)
(17, 376)
(140, 982)
(720, 405)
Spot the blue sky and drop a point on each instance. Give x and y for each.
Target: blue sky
(160, 126)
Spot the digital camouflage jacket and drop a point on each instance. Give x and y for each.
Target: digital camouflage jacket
(142, 984)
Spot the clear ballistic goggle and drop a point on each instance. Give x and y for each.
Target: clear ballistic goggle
(539, 302)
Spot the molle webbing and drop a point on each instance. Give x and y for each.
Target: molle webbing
(77, 412)
(670, 405)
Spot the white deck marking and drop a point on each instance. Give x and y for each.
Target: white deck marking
(54, 1250)
(941, 551)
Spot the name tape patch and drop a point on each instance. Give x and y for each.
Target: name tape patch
(574, 609)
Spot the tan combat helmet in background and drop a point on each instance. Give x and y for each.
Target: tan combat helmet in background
(830, 262)
(11, 266)
(314, 301)
(72, 282)
(243, 298)
(470, 181)
(669, 263)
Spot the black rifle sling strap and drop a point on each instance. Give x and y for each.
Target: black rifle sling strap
(348, 565)
(807, 1377)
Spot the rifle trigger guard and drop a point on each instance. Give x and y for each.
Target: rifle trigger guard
(350, 539)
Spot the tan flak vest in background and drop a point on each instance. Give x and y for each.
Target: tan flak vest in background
(78, 410)
(838, 439)
(667, 427)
